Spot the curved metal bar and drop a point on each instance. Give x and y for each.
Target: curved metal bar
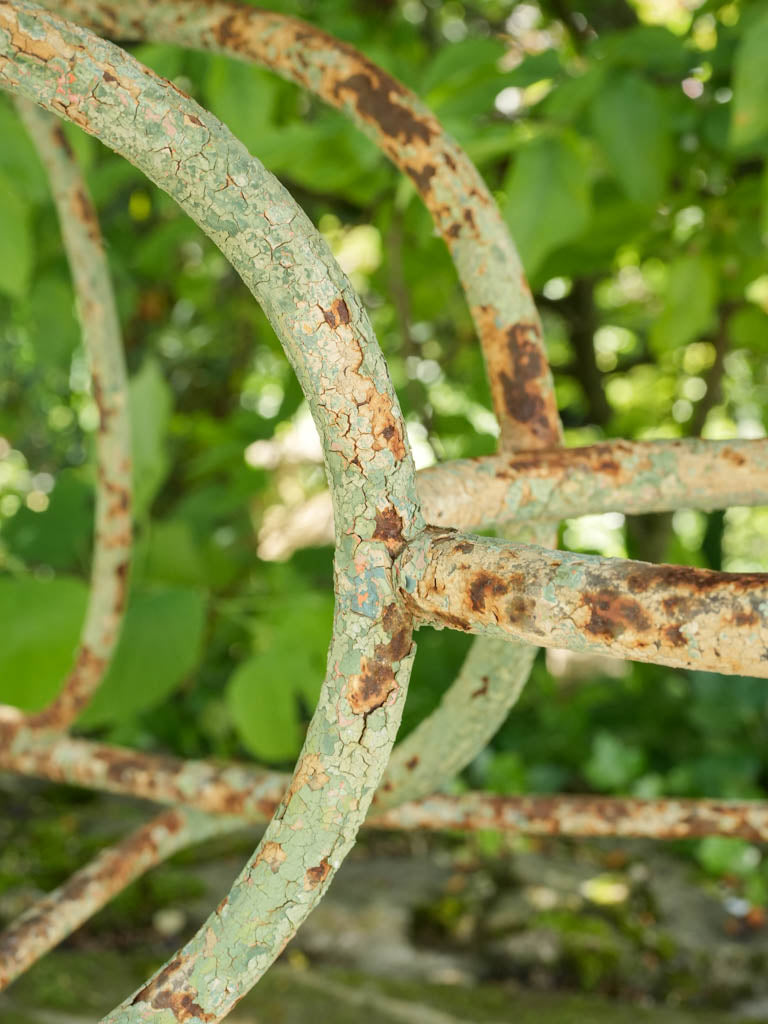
(452, 189)
(331, 345)
(103, 344)
(488, 267)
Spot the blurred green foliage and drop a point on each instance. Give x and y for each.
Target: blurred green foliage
(626, 144)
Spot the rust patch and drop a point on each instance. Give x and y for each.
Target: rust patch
(386, 431)
(370, 689)
(750, 618)
(733, 456)
(697, 581)
(381, 99)
(522, 401)
(601, 457)
(398, 626)
(317, 875)
(193, 119)
(162, 994)
(85, 213)
(412, 762)
(464, 548)
(271, 854)
(483, 585)
(422, 176)
(482, 689)
(338, 314)
(611, 613)
(520, 611)
(61, 141)
(108, 77)
(309, 772)
(518, 372)
(389, 529)
(455, 622)
(673, 636)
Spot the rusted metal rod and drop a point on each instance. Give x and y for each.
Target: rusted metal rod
(44, 925)
(588, 816)
(452, 188)
(250, 793)
(51, 919)
(611, 476)
(104, 347)
(231, 789)
(664, 614)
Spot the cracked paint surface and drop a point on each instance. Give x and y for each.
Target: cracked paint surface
(664, 614)
(453, 190)
(612, 476)
(490, 273)
(330, 343)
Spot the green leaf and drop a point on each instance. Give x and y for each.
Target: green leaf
(173, 555)
(690, 300)
(648, 47)
(548, 196)
(150, 404)
(326, 156)
(160, 644)
(18, 157)
(41, 626)
(461, 63)
(266, 693)
(15, 242)
(749, 110)
(613, 764)
(630, 121)
(54, 330)
(748, 328)
(722, 855)
(573, 94)
(243, 97)
(262, 700)
(60, 537)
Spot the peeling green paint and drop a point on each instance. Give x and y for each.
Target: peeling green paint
(330, 343)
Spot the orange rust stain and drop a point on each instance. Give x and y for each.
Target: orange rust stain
(338, 314)
(317, 875)
(271, 854)
(385, 428)
(163, 993)
(611, 614)
(483, 586)
(518, 370)
(371, 688)
(389, 529)
(397, 625)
